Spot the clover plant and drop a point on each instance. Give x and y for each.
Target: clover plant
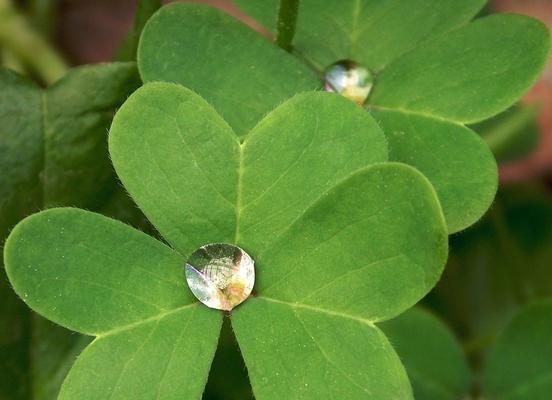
(231, 139)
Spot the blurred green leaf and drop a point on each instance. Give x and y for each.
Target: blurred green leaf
(53, 350)
(53, 141)
(26, 46)
(512, 134)
(498, 265)
(52, 152)
(519, 366)
(432, 356)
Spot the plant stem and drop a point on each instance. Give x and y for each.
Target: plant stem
(144, 10)
(28, 46)
(287, 19)
(44, 15)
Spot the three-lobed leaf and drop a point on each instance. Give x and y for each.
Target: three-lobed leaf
(132, 287)
(273, 162)
(247, 88)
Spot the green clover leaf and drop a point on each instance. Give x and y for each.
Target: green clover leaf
(434, 72)
(341, 240)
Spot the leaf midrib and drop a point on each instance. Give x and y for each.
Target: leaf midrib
(524, 387)
(338, 314)
(325, 354)
(156, 317)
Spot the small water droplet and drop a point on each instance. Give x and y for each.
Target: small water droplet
(220, 275)
(349, 79)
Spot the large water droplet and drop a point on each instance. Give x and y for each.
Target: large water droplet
(220, 275)
(349, 79)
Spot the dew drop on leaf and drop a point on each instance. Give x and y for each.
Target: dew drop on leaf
(349, 79)
(220, 275)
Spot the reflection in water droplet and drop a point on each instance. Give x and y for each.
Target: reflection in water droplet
(220, 275)
(349, 79)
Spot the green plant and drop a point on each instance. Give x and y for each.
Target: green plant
(344, 233)
(262, 201)
(424, 89)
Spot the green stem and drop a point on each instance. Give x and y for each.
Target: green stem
(144, 11)
(129, 48)
(287, 19)
(44, 15)
(11, 61)
(19, 38)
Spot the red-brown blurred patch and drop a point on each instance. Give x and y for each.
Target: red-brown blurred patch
(92, 31)
(539, 163)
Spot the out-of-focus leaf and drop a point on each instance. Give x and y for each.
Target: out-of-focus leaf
(519, 366)
(498, 265)
(53, 352)
(52, 151)
(512, 134)
(432, 356)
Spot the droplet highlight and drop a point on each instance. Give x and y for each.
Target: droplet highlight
(220, 275)
(349, 79)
